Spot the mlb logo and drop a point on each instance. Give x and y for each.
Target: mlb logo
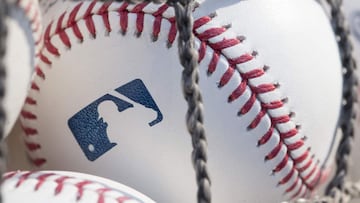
(89, 127)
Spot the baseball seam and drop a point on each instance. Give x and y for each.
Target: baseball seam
(62, 181)
(32, 12)
(298, 168)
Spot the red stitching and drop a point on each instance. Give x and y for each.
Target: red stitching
(310, 174)
(172, 32)
(101, 192)
(214, 60)
(32, 146)
(30, 101)
(302, 158)
(138, 9)
(292, 187)
(36, 24)
(263, 88)
(226, 43)
(122, 199)
(272, 105)
(34, 19)
(44, 59)
(60, 184)
(105, 15)
(306, 166)
(280, 119)
(28, 115)
(253, 74)
(303, 172)
(72, 22)
(257, 119)
(28, 7)
(61, 32)
(274, 152)
(30, 131)
(8, 175)
(202, 51)
(316, 179)
(22, 179)
(208, 34)
(202, 21)
(296, 145)
(264, 139)
(101, 199)
(289, 134)
(61, 181)
(80, 188)
(241, 59)
(42, 179)
(280, 166)
(123, 17)
(158, 20)
(34, 86)
(246, 108)
(38, 161)
(288, 176)
(88, 19)
(297, 194)
(39, 72)
(226, 77)
(238, 91)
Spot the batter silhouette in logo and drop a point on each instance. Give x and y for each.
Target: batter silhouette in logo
(89, 127)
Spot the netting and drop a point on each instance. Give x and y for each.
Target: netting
(190, 81)
(3, 34)
(339, 188)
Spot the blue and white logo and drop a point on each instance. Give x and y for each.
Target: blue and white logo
(89, 127)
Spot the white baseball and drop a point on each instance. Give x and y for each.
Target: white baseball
(65, 187)
(109, 98)
(53, 8)
(24, 34)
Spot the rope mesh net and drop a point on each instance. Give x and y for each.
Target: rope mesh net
(339, 189)
(3, 34)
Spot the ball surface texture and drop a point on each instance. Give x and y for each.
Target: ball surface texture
(108, 99)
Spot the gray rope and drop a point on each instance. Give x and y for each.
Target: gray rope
(338, 189)
(338, 184)
(190, 78)
(3, 35)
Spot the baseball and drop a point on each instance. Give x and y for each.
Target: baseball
(24, 34)
(65, 186)
(53, 8)
(108, 98)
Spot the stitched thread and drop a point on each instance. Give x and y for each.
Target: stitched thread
(63, 181)
(305, 171)
(32, 12)
(188, 58)
(338, 188)
(246, 76)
